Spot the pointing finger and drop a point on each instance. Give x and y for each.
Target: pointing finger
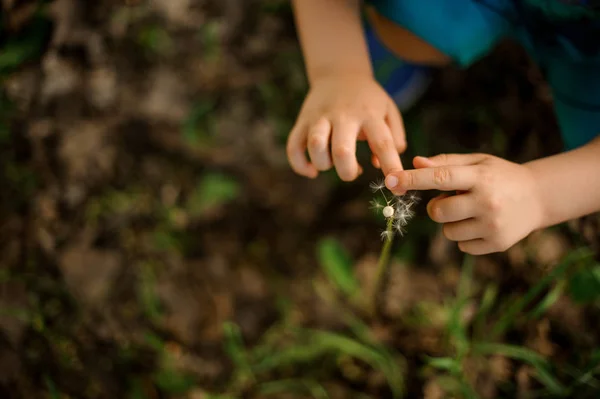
(445, 178)
(382, 145)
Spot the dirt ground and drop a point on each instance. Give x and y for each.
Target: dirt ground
(154, 242)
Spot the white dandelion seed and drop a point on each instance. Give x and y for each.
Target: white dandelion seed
(386, 235)
(377, 185)
(413, 197)
(375, 204)
(401, 208)
(401, 218)
(399, 227)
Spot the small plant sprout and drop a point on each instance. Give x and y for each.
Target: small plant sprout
(397, 211)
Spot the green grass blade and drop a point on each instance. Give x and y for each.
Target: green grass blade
(586, 376)
(322, 343)
(456, 328)
(52, 391)
(444, 363)
(369, 355)
(509, 316)
(550, 299)
(234, 347)
(528, 356)
(487, 303)
(338, 266)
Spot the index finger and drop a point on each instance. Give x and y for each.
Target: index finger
(381, 142)
(444, 178)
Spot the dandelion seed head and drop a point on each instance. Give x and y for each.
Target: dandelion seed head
(388, 211)
(398, 210)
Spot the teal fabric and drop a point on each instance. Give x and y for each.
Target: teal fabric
(466, 30)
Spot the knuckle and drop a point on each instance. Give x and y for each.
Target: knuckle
(382, 143)
(316, 142)
(400, 143)
(320, 121)
(370, 112)
(342, 152)
(341, 117)
(406, 179)
(443, 158)
(441, 175)
(483, 156)
(486, 176)
(493, 204)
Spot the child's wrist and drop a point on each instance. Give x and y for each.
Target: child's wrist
(318, 74)
(543, 218)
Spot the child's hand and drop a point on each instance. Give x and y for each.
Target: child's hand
(338, 111)
(496, 203)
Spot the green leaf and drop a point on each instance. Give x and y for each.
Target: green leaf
(338, 265)
(213, 190)
(584, 285)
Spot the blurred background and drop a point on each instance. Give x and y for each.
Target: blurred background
(154, 242)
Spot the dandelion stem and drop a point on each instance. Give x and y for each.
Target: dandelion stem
(382, 265)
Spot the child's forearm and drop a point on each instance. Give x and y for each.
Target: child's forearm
(569, 183)
(331, 37)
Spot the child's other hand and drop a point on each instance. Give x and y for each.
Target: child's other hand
(496, 203)
(338, 111)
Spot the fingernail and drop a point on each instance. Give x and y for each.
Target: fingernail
(391, 182)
